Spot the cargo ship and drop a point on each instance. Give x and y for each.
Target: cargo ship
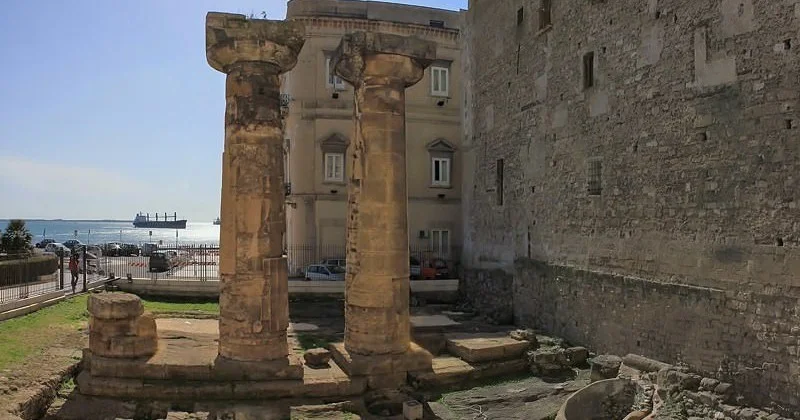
(143, 220)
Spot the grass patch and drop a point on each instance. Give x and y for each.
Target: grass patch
(31, 334)
(164, 306)
(311, 341)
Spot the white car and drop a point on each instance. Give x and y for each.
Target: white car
(57, 248)
(321, 272)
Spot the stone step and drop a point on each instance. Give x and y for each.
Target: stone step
(484, 347)
(451, 371)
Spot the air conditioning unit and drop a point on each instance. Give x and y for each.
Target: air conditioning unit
(424, 234)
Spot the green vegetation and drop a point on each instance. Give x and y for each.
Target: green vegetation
(16, 239)
(27, 270)
(163, 306)
(31, 334)
(311, 341)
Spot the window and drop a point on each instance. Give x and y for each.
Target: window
(436, 23)
(588, 70)
(440, 241)
(440, 172)
(594, 181)
(332, 80)
(499, 182)
(544, 15)
(439, 81)
(334, 167)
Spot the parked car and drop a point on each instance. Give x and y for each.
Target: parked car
(324, 272)
(112, 249)
(162, 261)
(148, 249)
(94, 264)
(43, 243)
(129, 250)
(442, 270)
(58, 249)
(415, 268)
(91, 249)
(72, 243)
(339, 262)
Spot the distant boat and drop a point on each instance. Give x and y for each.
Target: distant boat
(217, 221)
(143, 220)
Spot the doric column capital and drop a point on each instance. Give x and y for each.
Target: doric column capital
(233, 38)
(363, 56)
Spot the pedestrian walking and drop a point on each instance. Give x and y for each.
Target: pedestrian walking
(73, 269)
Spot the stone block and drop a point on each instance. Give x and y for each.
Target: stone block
(122, 347)
(415, 359)
(528, 335)
(548, 360)
(317, 357)
(485, 347)
(290, 367)
(605, 366)
(576, 355)
(387, 381)
(644, 364)
(114, 306)
(412, 410)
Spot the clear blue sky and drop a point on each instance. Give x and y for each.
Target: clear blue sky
(109, 107)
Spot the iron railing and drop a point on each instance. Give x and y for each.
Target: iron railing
(24, 276)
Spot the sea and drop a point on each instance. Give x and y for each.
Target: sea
(96, 232)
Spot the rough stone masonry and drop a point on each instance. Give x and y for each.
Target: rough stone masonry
(635, 182)
(254, 299)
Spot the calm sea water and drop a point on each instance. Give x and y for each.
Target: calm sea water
(102, 232)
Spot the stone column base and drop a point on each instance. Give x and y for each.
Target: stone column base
(290, 367)
(383, 370)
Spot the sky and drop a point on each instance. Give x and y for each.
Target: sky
(108, 108)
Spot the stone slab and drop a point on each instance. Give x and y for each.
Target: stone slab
(289, 368)
(449, 371)
(430, 323)
(114, 305)
(415, 359)
(483, 347)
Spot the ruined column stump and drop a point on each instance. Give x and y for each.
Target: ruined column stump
(254, 299)
(377, 341)
(119, 328)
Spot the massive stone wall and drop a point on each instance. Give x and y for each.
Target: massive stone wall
(688, 138)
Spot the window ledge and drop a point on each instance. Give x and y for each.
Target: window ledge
(441, 95)
(332, 182)
(544, 30)
(441, 187)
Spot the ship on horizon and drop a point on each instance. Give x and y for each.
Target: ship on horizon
(143, 220)
(217, 221)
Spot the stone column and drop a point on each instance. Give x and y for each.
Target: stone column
(254, 300)
(380, 67)
(119, 328)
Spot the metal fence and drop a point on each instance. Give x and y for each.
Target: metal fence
(300, 256)
(182, 262)
(26, 276)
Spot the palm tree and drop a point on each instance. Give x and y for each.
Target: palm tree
(17, 238)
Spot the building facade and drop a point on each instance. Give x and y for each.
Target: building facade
(631, 179)
(319, 126)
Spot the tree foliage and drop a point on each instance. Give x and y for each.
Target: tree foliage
(17, 238)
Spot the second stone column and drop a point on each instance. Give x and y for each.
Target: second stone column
(380, 67)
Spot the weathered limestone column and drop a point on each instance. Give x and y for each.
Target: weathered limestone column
(119, 328)
(254, 300)
(380, 67)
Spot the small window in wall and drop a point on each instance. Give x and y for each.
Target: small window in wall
(334, 167)
(440, 242)
(440, 172)
(440, 80)
(499, 182)
(588, 70)
(544, 15)
(595, 177)
(332, 80)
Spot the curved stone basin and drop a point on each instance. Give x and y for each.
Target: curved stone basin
(610, 399)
